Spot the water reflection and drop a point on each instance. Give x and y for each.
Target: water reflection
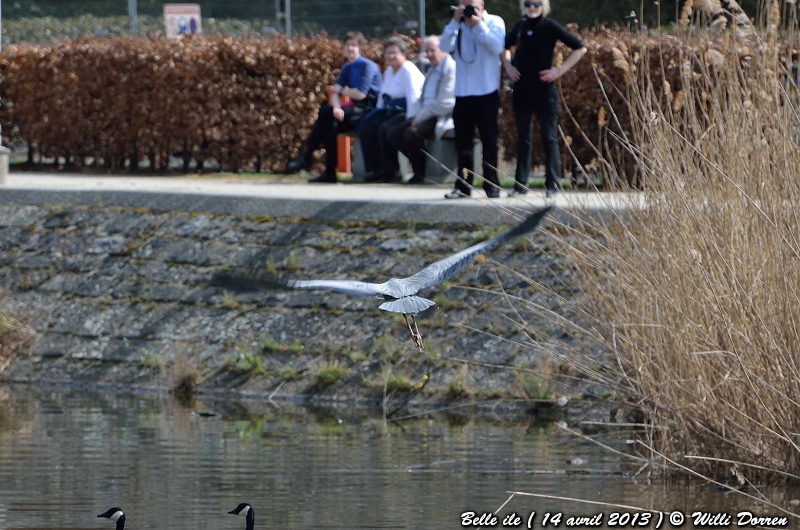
(66, 456)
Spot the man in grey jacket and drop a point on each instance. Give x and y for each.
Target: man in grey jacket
(433, 115)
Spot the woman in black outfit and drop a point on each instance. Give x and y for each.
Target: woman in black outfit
(535, 90)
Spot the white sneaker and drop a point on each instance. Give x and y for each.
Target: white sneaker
(455, 194)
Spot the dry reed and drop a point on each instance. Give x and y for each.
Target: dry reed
(15, 337)
(698, 290)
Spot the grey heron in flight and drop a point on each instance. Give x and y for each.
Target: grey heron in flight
(399, 294)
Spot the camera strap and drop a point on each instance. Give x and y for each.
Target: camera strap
(474, 45)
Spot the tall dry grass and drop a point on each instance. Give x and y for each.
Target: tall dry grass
(15, 336)
(697, 294)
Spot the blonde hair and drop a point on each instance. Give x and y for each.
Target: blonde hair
(545, 7)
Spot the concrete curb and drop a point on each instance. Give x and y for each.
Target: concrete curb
(335, 210)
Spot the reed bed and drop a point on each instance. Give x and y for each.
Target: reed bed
(15, 337)
(697, 293)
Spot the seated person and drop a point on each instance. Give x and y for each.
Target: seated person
(360, 80)
(434, 113)
(402, 86)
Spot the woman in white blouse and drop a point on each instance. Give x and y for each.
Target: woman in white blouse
(402, 87)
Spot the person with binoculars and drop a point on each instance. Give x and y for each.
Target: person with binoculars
(476, 39)
(535, 90)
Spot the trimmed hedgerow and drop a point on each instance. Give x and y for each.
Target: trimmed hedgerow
(248, 103)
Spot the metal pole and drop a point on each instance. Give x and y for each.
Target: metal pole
(5, 152)
(288, 18)
(422, 20)
(132, 16)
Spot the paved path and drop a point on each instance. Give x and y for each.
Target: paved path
(242, 196)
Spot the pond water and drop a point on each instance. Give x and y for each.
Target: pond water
(68, 455)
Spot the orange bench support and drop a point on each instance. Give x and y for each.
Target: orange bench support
(344, 164)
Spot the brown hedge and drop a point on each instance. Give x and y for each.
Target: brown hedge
(236, 101)
(248, 103)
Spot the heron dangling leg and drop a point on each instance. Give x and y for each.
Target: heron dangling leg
(415, 336)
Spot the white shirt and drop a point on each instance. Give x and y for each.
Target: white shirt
(405, 83)
(478, 62)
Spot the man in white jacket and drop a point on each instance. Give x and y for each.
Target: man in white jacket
(433, 113)
(477, 40)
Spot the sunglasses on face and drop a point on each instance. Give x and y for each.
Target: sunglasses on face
(533, 4)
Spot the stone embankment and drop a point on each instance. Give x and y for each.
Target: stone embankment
(119, 297)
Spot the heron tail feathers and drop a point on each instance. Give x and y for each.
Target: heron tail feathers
(408, 305)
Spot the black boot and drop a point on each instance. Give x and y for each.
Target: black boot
(299, 163)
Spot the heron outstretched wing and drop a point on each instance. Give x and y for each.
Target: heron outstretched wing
(263, 283)
(343, 286)
(431, 275)
(448, 267)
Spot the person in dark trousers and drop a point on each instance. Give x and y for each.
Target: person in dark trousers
(433, 113)
(402, 86)
(476, 39)
(535, 90)
(359, 80)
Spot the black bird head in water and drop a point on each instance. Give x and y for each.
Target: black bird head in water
(245, 510)
(115, 514)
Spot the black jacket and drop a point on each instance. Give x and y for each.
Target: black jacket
(535, 39)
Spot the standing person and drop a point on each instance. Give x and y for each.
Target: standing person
(433, 114)
(476, 39)
(535, 90)
(359, 80)
(402, 86)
